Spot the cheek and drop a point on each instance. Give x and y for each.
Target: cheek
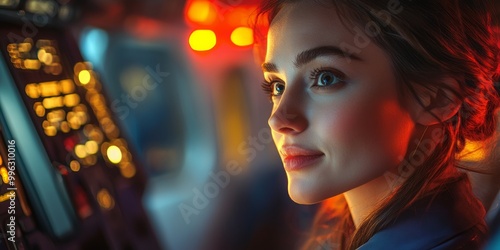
(374, 131)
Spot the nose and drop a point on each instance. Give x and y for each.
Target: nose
(288, 117)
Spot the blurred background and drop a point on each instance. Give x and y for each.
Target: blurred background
(140, 125)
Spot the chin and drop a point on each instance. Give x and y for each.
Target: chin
(303, 195)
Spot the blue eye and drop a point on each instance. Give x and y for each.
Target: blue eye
(277, 88)
(273, 88)
(326, 78)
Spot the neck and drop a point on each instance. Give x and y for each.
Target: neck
(364, 199)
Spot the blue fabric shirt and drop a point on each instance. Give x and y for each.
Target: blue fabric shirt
(451, 219)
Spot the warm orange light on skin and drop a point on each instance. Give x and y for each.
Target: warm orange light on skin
(202, 12)
(242, 36)
(473, 152)
(202, 40)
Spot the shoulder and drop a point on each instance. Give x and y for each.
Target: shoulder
(451, 219)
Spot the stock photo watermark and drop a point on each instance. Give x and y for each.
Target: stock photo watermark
(29, 28)
(407, 167)
(362, 38)
(11, 167)
(221, 179)
(150, 81)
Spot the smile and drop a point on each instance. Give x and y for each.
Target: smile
(297, 158)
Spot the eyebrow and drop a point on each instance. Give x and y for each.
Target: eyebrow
(311, 54)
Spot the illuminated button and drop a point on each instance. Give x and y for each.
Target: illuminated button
(67, 86)
(45, 124)
(84, 77)
(5, 175)
(65, 127)
(114, 154)
(56, 69)
(24, 47)
(242, 36)
(32, 64)
(71, 100)
(50, 130)
(93, 133)
(202, 40)
(52, 102)
(47, 58)
(32, 90)
(73, 121)
(56, 116)
(49, 88)
(41, 54)
(74, 166)
(79, 67)
(82, 117)
(105, 199)
(80, 151)
(128, 170)
(91, 147)
(90, 160)
(39, 109)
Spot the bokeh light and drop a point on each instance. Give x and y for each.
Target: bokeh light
(202, 40)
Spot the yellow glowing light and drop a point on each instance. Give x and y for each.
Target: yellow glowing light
(52, 102)
(89, 160)
(32, 90)
(7, 196)
(65, 127)
(48, 59)
(67, 86)
(74, 165)
(71, 100)
(242, 36)
(91, 147)
(82, 117)
(32, 64)
(39, 109)
(79, 67)
(45, 124)
(41, 54)
(56, 69)
(114, 154)
(473, 152)
(202, 12)
(105, 199)
(96, 135)
(84, 77)
(49, 88)
(80, 151)
(202, 40)
(128, 170)
(24, 47)
(50, 130)
(1, 160)
(56, 116)
(5, 175)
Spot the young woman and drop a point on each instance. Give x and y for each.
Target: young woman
(372, 102)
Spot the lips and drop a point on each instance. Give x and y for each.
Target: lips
(297, 158)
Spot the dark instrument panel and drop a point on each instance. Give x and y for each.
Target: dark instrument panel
(69, 178)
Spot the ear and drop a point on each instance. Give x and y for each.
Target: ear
(439, 104)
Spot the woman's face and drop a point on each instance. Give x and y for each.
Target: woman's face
(336, 119)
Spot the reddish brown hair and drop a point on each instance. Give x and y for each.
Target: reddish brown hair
(427, 41)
